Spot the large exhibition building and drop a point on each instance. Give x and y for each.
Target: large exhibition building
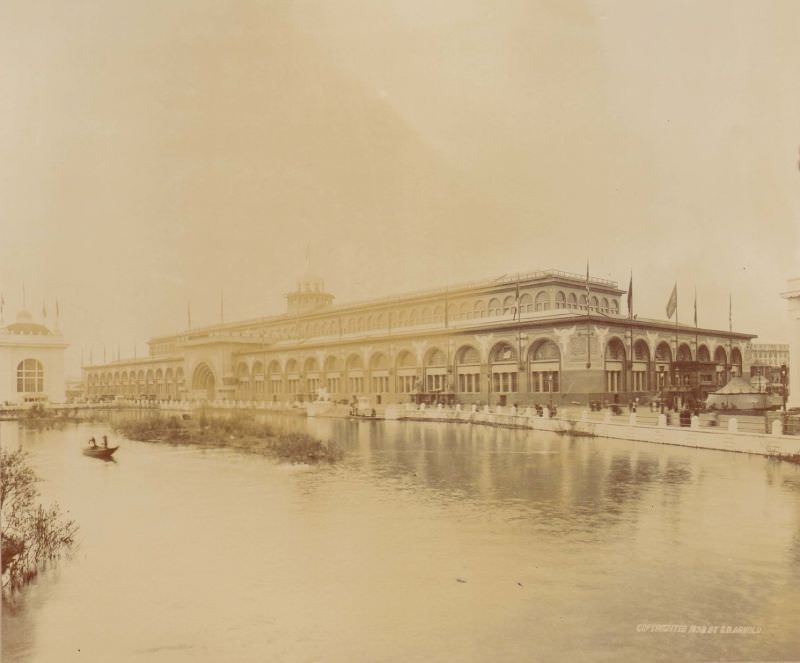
(529, 338)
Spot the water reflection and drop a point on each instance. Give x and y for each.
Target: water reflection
(564, 545)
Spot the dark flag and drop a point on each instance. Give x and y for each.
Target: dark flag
(630, 297)
(730, 311)
(672, 304)
(695, 308)
(588, 292)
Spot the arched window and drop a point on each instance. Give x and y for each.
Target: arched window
(615, 350)
(468, 370)
(542, 301)
(584, 302)
(663, 352)
(468, 355)
(30, 376)
(379, 373)
(615, 362)
(703, 354)
(503, 352)
(640, 351)
(736, 362)
(594, 304)
(479, 309)
(572, 301)
(561, 300)
(545, 351)
(435, 357)
(378, 361)
(504, 369)
(406, 373)
(435, 371)
(545, 367)
(614, 307)
(684, 353)
(604, 305)
(494, 307)
(641, 356)
(526, 303)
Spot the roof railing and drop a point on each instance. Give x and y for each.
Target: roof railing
(505, 279)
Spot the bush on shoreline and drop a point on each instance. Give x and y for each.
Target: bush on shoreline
(31, 534)
(238, 431)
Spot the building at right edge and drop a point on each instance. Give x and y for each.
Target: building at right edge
(792, 295)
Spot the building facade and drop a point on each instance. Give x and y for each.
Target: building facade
(31, 362)
(768, 360)
(546, 336)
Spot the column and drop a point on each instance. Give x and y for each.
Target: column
(792, 295)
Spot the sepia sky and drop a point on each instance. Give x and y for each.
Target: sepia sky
(156, 153)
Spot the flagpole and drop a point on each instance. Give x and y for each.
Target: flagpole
(730, 335)
(630, 331)
(676, 337)
(696, 346)
(588, 321)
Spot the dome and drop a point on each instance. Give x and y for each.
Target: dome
(26, 325)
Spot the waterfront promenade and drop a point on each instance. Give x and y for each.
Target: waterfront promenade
(762, 435)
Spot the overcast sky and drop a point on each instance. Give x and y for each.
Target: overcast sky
(156, 153)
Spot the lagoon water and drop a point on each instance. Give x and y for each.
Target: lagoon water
(429, 542)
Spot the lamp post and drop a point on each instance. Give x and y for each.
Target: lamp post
(783, 385)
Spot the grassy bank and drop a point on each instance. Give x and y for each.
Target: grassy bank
(238, 432)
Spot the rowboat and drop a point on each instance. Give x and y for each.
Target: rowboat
(100, 452)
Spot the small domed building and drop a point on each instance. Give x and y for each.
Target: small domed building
(31, 362)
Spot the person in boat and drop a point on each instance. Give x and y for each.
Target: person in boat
(92, 441)
(105, 441)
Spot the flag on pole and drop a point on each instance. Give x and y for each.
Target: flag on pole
(44, 309)
(695, 307)
(189, 313)
(588, 291)
(630, 297)
(730, 312)
(672, 304)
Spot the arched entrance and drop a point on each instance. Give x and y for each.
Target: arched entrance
(203, 382)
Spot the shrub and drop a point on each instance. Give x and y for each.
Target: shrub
(31, 534)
